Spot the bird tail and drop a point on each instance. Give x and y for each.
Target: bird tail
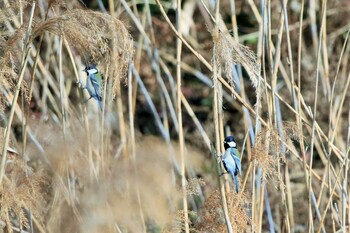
(235, 179)
(100, 104)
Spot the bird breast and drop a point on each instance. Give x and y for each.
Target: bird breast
(229, 161)
(89, 86)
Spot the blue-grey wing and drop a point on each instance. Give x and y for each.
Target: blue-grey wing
(229, 162)
(238, 164)
(225, 166)
(235, 155)
(97, 88)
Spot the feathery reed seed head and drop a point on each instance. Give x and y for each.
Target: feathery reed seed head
(229, 52)
(211, 217)
(269, 150)
(23, 189)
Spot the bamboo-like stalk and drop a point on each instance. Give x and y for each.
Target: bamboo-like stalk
(25, 128)
(280, 129)
(347, 200)
(137, 58)
(324, 67)
(62, 87)
(133, 145)
(122, 129)
(333, 128)
(276, 62)
(17, 91)
(299, 120)
(289, 205)
(103, 153)
(289, 46)
(220, 118)
(216, 107)
(311, 226)
(196, 121)
(254, 208)
(111, 7)
(120, 108)
(155, 61)
(149, 21)
(261, 203)
(24, 122)
(179, 117)
(84, 112)
(256, 220)
(239, 68)
(218, 153)
(237, 76)
(289, 195)
(158, 121)
(329, 201)
(318, 214)
(298, 116)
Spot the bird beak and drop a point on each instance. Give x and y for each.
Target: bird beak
(85, 69)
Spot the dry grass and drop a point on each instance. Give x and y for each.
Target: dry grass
(76, 169)
(99, 35)
(211, 217)
(24, 189)
(270, 151)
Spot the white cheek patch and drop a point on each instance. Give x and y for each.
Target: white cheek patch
(232, 144)
(92, 71)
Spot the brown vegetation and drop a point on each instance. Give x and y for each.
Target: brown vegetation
(282, 89)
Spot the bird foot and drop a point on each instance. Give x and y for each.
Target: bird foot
(85, 101)
(80, 83)
(223, 173)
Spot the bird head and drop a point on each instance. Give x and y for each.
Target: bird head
(91, 69)
(229, 142)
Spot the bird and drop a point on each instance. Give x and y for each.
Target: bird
(231, 159)
(93, 84)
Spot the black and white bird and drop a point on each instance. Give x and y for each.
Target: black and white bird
(231, 159)
(93, 83)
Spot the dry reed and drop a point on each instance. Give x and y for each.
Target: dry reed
(76, 170)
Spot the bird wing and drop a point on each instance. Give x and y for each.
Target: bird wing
(236, 152)
(229, 162)
(238, 164)
(97, 85)
(236, 156)
(225, 166)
